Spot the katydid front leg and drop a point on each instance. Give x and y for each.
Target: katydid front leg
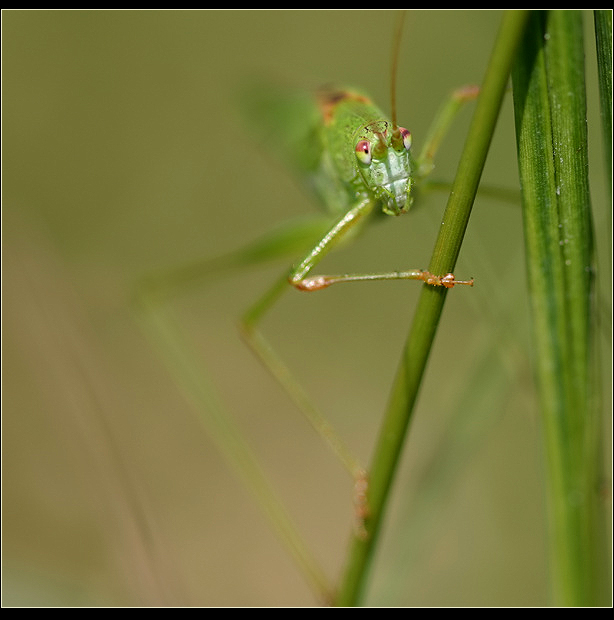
(298, 275)
(316, 283)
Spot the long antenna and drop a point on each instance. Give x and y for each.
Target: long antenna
(396, 44)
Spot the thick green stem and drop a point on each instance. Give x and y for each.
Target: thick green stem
(551, 127)
(408, 379)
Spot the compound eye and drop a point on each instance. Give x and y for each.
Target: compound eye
(363, 152)
(405, 137)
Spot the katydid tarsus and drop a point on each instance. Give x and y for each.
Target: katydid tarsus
(359, 165)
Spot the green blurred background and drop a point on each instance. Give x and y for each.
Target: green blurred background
(123, 153)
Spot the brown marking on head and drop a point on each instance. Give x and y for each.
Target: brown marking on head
(328, 98)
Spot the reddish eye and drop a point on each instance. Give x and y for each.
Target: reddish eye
(406, 137)
(363, 152)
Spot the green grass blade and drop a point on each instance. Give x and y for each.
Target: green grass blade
(603, 39)
(430, 306)
(550, 110)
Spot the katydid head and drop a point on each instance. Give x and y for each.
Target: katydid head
(384, 163)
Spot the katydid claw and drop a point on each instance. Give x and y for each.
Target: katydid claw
(447, 281)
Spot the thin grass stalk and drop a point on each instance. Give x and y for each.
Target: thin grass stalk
(163, 328)
(424, 326)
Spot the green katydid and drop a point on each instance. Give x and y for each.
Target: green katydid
(359, 165)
